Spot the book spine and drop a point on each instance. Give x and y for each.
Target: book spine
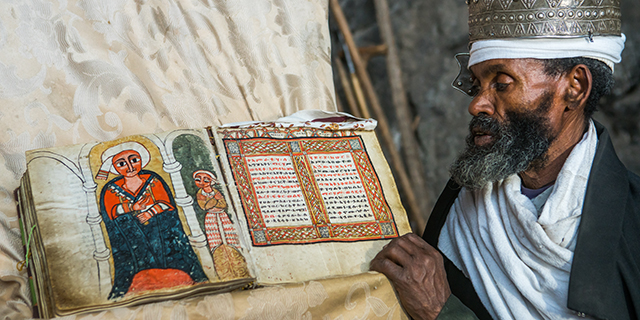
(24, 236)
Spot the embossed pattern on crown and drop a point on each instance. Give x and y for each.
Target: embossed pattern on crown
(499, 19)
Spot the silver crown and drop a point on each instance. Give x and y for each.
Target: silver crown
(499, 19)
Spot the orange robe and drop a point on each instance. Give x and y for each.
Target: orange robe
(142, 251)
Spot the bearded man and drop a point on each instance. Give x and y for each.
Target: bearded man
(540, 219)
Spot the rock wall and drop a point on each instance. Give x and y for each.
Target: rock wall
(428, 34)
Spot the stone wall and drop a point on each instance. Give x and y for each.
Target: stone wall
(428, 34)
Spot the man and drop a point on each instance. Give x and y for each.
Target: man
(149, 247)
(221, 233)
(540, 220)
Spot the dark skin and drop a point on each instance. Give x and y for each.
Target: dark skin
(416, 271)
(414, 267)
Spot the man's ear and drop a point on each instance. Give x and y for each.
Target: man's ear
(579, 88)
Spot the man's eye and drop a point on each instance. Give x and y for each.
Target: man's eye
(501, 86)
(121, 163)
(135, 160)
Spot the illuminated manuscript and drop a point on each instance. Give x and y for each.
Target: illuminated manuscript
(305, 190)
(168, 215)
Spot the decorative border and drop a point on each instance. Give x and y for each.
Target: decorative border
(495, 19)
(240, 144)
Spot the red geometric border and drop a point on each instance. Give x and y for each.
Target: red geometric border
(322, 229)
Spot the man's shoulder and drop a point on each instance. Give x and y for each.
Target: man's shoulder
(634, 183)
(614, 162)
(633, 204)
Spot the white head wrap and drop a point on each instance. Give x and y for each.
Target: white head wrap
(107, 157)
(607, 49)
(211, 175)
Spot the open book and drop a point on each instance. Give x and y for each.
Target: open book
(169, 215)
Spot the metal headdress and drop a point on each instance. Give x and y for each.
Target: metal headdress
(499, 19)
(543, 29)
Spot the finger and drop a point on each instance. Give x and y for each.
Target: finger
(395, 252)
(408, 244)
(144, 217)
(415, 242)
(385, 266)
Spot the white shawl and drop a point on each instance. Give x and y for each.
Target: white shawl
(519, 263)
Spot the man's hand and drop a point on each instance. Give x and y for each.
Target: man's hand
(144, 216)
(143, 203)
(417, 272)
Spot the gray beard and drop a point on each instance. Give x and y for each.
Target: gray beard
(521, 143)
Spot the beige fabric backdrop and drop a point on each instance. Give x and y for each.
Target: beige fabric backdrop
(74, 71)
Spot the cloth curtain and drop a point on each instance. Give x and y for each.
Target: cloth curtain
(75, 71)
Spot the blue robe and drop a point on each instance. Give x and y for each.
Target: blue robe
(159, 244)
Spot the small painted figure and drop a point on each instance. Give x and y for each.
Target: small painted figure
(149, 246)
(221, 234)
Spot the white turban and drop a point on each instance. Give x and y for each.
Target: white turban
(107, 157)
(607, 49)
(211, 175)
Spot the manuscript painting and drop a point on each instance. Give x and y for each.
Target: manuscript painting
(204, 184)
(189, 216)
(311, 197)
(145, 231)
(141, 217)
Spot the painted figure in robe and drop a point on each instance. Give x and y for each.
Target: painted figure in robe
(219, 229)
(149, 246)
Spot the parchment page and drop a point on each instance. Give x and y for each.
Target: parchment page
(316, 203)
(107, 243)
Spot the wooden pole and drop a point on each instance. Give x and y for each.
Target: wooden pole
(339, 106)
(410, 147)
(346, 86)
(357, 88)
(366, 53)
(383, 127)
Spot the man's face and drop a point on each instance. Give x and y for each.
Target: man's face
(515, 120)
(128, 163)
(203, 180)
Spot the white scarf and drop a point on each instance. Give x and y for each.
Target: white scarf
(519, 263)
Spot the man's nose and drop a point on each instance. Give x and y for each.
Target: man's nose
(482, 103)
(129, 167)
